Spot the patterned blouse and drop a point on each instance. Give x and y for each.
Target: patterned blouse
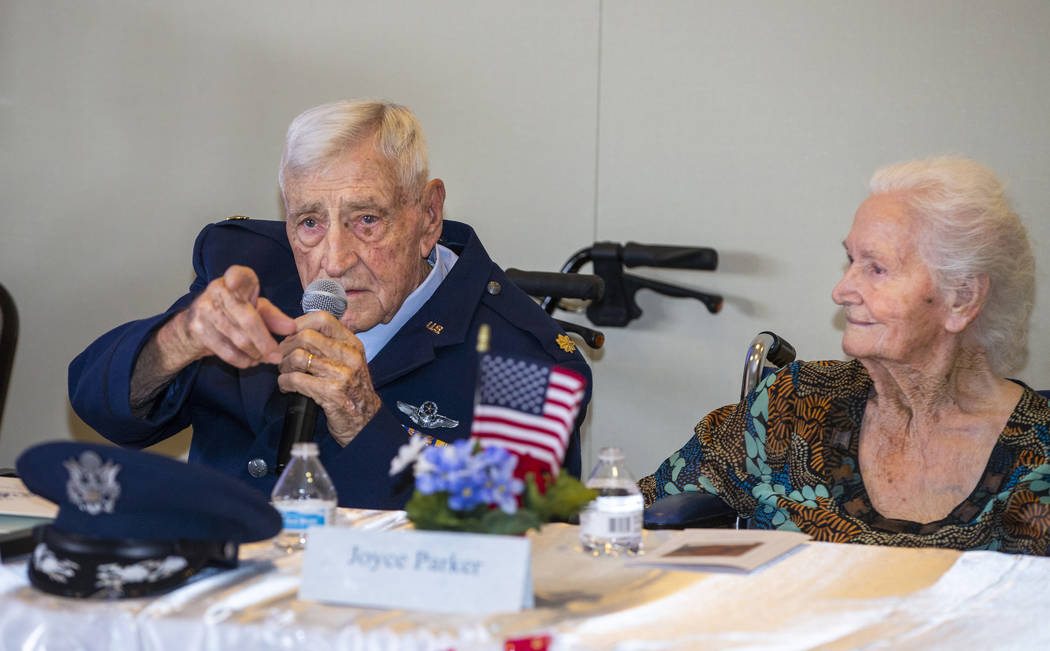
(786, 457)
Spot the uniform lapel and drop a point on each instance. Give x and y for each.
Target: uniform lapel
(446, 318)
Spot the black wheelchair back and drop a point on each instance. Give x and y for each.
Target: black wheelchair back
(610, 291)
(611, 295)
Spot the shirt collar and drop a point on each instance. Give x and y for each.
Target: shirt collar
(441, 260)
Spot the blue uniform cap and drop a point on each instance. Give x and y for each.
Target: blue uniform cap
(132, 523)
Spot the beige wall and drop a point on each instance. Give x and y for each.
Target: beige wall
(749, 127)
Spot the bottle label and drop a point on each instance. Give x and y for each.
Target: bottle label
(620, 503)
(613, 517)
(604, 525)
(300, 517)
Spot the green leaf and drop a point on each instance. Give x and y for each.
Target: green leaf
(566, 496)
(432, 512)
(498, 522)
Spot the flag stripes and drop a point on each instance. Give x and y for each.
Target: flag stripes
(527, 407)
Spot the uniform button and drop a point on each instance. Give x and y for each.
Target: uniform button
(494, 288)
(257, 468)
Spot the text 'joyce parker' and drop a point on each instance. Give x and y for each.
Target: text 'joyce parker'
(420, 561)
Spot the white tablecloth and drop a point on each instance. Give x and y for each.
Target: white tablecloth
(821, 595)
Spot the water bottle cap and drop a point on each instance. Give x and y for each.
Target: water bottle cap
(304, 449)
(610, 454)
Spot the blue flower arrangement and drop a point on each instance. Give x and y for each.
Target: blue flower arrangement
(470, 477)
(465, 487)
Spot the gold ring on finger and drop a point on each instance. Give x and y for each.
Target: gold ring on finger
(309, 361)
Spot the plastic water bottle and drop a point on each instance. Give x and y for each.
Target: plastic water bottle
(304, 495)
(612, 523)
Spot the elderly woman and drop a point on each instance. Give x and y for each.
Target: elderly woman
(919, 441)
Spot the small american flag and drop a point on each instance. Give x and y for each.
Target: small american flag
(528, 407)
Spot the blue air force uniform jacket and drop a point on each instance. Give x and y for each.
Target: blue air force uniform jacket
(237, 415)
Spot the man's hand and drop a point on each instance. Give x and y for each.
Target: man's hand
(228, 320)
(326, 362)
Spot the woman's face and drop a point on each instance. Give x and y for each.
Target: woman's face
(893, 310)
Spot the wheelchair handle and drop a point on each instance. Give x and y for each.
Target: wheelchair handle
(669, 257)
(562, 285)
(766, 346)
(555, 286)
(780, 353)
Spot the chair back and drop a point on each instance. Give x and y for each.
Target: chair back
(8, 340)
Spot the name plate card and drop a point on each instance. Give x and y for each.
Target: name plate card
(417, 570)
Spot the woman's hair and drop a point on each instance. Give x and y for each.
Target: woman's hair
(318, 136)
(968, 230)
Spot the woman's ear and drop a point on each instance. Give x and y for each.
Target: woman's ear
(965, 302)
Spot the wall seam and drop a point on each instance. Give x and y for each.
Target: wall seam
(597, 125)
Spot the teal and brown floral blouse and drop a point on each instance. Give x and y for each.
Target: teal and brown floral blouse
(786, 457)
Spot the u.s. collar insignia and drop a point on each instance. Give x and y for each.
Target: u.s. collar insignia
(566, 344)
(426, 415)
(92, 485)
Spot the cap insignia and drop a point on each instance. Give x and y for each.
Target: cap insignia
(566, 344)
(92, 485)
(59, 570)
(113, 576)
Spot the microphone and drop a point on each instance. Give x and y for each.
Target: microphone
(301, 415)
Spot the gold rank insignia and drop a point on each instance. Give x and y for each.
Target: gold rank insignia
(236, 217)
(566, 344)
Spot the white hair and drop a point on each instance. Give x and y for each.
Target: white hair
(319, 135)
(967, 230)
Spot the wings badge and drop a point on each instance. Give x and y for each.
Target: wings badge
(426, 415)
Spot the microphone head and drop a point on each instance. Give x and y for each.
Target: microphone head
(325, 294)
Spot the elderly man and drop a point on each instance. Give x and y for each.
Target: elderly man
(360, 211)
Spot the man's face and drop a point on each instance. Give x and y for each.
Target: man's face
(351, 223)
